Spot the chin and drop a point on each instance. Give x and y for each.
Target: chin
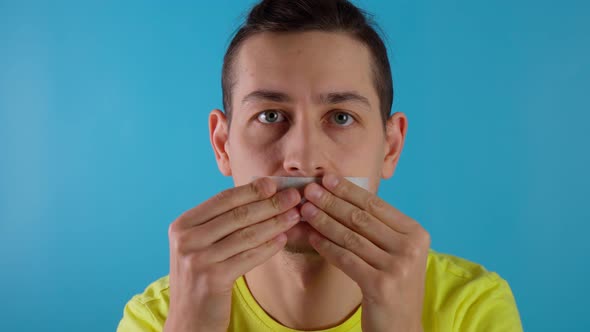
(298, 240)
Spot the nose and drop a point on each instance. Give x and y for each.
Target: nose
(303, 151)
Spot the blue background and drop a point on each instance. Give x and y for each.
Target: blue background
(104, 142)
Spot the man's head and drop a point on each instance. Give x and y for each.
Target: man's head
(312, 15)
(307, 90)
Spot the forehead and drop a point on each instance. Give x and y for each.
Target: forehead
(303, 64)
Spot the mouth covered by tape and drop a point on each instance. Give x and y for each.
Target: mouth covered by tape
(299, 182)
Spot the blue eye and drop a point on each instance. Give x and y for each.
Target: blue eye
(343, 119)
(270, 117)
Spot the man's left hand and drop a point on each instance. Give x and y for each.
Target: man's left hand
(381, 249)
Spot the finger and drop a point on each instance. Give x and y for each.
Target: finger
(344, 237)
(349, 263)
(353, 217)
(241, 263)
(226, 200)
(253, 236)
(369, 202)
(247, 215)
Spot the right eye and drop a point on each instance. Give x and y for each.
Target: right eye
(271, 116)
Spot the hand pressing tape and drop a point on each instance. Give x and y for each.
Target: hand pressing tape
(298, 182)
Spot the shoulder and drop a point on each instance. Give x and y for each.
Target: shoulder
(447, 273)
(156, 291)
(147, 311)
(457, 267)
(462, 293)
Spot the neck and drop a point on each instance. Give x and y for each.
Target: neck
(303, 291)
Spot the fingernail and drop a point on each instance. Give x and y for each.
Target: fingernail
(293, 215)
(288, 196)
(315, 191)
(309, 210)
(331, 181)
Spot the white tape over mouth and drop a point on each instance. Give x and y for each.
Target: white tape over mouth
(299, 182)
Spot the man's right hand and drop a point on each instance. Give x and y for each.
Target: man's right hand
(218, 241)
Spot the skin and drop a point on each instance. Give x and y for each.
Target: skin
(353, 240)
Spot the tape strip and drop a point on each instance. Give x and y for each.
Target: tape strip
(298, 182)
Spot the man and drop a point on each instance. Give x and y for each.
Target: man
(307, 92)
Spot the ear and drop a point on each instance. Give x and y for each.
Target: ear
(395, 135)
(218, 135)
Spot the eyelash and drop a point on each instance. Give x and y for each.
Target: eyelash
(285, 117)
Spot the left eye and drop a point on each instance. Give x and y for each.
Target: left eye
(343, 119)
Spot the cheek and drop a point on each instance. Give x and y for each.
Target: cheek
(353, 143)
(256, 135)
(362, 154)
(252, 147)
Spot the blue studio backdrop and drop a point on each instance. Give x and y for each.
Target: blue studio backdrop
(104, 142)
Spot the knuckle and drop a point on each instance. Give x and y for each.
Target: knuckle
(175, 238)
(412, 249)
(321, 219)
(182, 243)
(346, 260)
(254, 252)
(195, 261)
(414, 226)
(276, 204)
(173, 229)
(418, 244)
(425, 239)
(247, 255)
(248, 235)
(181, 222)
(177, 247)
(375, 203)
(352, 241)
(360, 219)
(279, 222)
(401, 269)
(240, 214)
(258, 188)
(222, 196)
(342, 189)
(328, 200)
(265, 247)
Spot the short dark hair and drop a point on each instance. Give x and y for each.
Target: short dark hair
(307, 15)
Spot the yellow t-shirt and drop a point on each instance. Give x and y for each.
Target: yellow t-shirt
(459, 296)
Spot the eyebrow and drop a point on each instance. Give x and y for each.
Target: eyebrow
(341, 97)
(267, 95)
(327, 98)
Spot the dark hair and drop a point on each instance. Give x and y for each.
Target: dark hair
(306, 15)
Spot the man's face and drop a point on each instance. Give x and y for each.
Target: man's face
(304, 104)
